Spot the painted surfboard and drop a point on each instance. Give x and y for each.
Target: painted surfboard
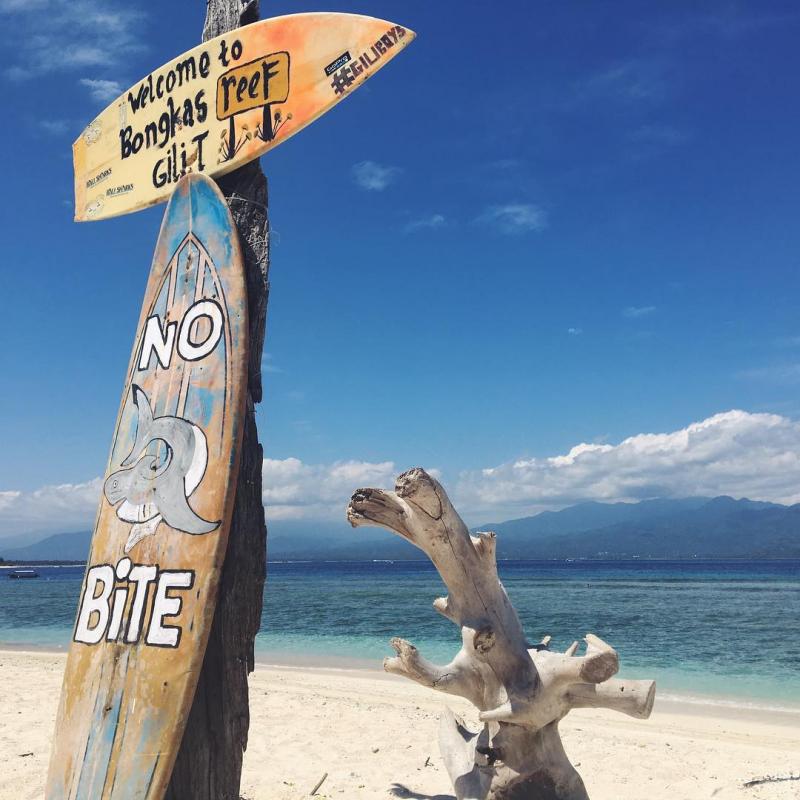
(148, 596)
(223, 104)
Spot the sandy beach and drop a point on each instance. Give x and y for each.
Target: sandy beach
(375, 736)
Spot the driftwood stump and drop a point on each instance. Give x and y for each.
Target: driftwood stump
(209, 764)
(521, 690)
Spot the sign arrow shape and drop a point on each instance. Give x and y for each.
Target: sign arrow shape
(224, 103)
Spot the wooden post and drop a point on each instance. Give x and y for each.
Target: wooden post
(209, 764)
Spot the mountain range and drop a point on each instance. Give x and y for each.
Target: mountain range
(695, 527)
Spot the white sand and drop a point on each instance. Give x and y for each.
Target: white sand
(373, 735)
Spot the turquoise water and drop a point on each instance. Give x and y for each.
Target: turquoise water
(723, 630)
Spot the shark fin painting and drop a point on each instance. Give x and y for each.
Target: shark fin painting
(149, 594)
(148, 490)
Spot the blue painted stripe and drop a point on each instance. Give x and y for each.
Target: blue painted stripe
(101, 738)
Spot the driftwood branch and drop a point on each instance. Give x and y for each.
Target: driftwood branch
(209, 764)
(521, 691)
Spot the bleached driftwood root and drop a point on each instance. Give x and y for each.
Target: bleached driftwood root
(521, 690)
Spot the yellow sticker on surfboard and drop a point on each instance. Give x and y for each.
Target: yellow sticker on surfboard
(224, 103)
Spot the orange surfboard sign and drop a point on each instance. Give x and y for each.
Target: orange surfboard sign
(224, 103)
(149, 593)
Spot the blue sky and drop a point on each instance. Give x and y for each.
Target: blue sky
(559, 224)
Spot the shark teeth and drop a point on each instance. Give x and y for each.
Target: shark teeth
(141, 531)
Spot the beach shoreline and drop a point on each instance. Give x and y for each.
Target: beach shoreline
(723, 706)
(376, 737)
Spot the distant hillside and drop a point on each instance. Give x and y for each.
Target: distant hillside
(712, 528)
(702, 527)
(59, 547)
(288, 539)
(588, 516)
(301, 539)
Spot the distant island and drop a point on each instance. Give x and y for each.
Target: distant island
(696, 527)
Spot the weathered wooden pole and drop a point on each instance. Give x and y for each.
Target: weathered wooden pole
(209, 764)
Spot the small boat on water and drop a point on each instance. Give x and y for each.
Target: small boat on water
(18, 574)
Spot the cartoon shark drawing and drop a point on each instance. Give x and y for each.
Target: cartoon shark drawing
(152, 490)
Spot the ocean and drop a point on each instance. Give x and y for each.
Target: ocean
(721, 632)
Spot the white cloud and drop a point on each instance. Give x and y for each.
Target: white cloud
(295, 490)
(735, 453)
(629, 82)
(515, 217)
(7, 499)
(54, 127)
(374, 177)
(292, 490)
(426, 223)
(59, 35)
(15, 6)
(574, 331)
(268, 364)
(61, 508)
(634, 312)
(101, 90)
